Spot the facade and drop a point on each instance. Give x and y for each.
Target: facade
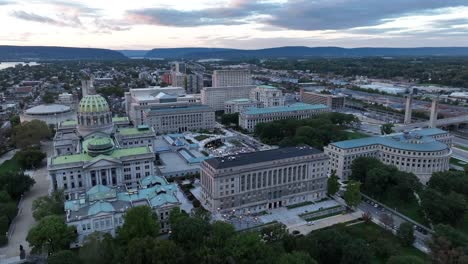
(330, 100)
(65, 98)
(263, 180)
(137, 101)
(178, 79)
(239, 105)
(52, 114)
(228, 78)
(253, 116)
(269, 96)
(215, 97)
(194, 83)
(421, 152)
(139, 136)
(101, 208)
(180, 118)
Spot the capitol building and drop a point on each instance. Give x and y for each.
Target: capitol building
(105, 166)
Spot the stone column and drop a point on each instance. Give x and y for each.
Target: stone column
(434, 110)
(408, 109)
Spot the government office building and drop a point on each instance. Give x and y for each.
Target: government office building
(249, 118)
(258, 181)
(421, 152)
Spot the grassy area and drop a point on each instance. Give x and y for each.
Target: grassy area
(371, 233)
(458, 162)
(299, 205)
(322, 216)
(355, 135)
(201, 137)
(410, 209)
(461, 147)
(10, 165)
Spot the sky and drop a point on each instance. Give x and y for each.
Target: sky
(244, 24)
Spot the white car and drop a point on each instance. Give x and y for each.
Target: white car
(310, 223)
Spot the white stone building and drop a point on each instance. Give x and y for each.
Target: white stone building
(249, 118)
(215, 97)
(421, 152)
(269, 96)
(239, 105)
(264, 180)
(229, 78)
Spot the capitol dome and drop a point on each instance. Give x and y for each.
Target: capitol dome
(93, 104)
(94, 115)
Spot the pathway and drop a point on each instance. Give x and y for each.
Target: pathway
(7, 156)
(24, 220)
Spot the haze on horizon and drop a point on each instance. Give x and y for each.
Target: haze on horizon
(245, 24)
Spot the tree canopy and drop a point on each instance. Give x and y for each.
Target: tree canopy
(30, 133)
(139, 222)
(48, 205)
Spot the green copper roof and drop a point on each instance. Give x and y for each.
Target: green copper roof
(118, 153)
(101, 192)
(69, 123)
(133, 131)
(99, 207)
(98, 145)
(93, 103)
(120, 119)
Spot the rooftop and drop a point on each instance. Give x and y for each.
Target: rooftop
(156, 192)
(267, 87)
(134, 131)
(416, 140)
(120, 119)
(179, 108)
(47, 109)
(69, 123)
(261, 156)
(83, 157)
(281, 109)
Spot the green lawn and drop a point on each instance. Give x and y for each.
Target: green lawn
(201, 137)
(410, 209)
(461, 147)
(355, 135)
(10, 165)
(372, 232)
(457, 162)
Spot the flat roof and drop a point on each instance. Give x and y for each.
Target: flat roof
(416, 140)
(282, 109)
(120, 119)
(179, 108)
(82, 157)
(134, 131)
(69, 123)
(261, 156)
(47, 109)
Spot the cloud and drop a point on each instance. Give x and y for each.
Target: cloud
(235, 13)
(42, 19)
(6, 2)
(293, 14)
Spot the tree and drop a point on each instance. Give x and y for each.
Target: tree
(48, 98)
(7, 207)
(384, 248)
(443, 208)
(356, 251)
(30, 133)
(30, 158)
(295, 258)
(361, 166)
(168, 252)
(386, 129)
(140, 251)
(352, 195)
(405, 234)
(48, 205)
(188, 232)
(63, 257)
(248, 248)
(139, 222)
(16, 184)
(100, 248)
(273, 233)
(405, 260)
(51, 234)
(15, 120)
(228, 119)
(448, 245)
(333, 186)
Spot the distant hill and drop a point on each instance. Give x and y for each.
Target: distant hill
(300, 52)
(57, 53)
(134, 53)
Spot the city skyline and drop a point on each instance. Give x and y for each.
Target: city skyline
(148, 24)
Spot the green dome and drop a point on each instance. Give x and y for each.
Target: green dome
(93, 104)
(99, 145)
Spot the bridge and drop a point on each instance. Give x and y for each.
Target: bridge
(444, 122)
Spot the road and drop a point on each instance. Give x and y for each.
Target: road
(377, 213)
(8, 155)
(24, 220)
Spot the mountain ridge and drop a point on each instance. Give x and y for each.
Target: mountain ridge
(57, 53)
